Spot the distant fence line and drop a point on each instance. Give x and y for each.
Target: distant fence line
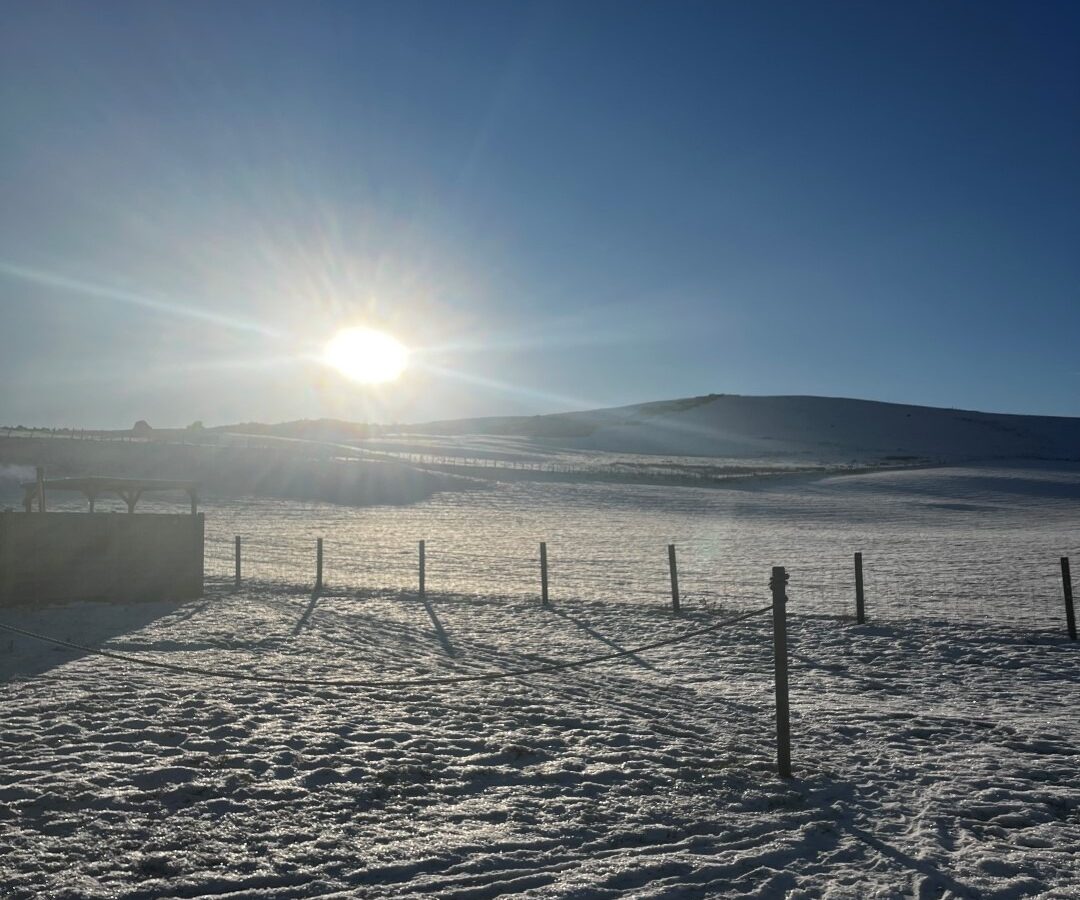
(615, 470)
(271, 442)
(455, 571)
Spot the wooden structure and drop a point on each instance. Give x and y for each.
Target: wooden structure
(48, 557)
(130, 490)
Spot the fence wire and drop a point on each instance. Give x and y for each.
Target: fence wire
(1014, 591)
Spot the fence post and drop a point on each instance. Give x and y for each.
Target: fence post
(860, 605)
(422, 573)
(543, 573)
(778, 583)
(41, 489)
(674, 577)
(238, 560)
(318, 564)
(1066, 584)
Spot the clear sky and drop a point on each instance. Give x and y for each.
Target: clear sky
(555, 205)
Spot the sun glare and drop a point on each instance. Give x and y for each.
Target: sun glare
(366, 355)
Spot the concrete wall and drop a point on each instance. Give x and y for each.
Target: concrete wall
(51, 557)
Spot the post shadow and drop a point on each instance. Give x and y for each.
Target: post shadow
(927, 869)
(599, 637)
(315, 595)
(440, 632)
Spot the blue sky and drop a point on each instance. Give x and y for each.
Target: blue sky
(556, 205)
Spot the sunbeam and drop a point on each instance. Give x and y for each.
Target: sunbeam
(503, 386)
(105, 292)
(538, 340)
(120, 373)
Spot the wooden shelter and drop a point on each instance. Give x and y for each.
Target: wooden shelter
(130, 490)
(63, 556)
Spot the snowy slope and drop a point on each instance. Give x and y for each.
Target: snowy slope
(844, 428)
(806, 427)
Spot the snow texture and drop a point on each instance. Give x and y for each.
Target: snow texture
(936, 748)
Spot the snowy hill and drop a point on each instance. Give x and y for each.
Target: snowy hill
(790, 426)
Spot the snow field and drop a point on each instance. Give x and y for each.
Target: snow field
(935, 748)
(929, 759)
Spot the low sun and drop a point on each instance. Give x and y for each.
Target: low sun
(366, 355)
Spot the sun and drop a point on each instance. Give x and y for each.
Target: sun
(366, 355)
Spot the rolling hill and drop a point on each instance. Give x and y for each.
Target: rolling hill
(824, 429)
(790, 426)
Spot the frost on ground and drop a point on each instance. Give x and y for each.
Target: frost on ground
(936, 749)
(932, 758)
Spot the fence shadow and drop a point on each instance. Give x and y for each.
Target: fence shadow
(596, 635)
(837, 670)
(306, 616)
(440, 632)
(938, 879)
(845, 802)
(88, 623)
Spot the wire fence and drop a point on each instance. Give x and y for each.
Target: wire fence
(283, 560)
(491, 464)
(1016, 591)
(345, 677)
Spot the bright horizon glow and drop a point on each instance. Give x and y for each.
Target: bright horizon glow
(366, 356)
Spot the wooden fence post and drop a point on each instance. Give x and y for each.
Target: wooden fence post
(674, 577)
(860, 604)
(318, 564)
(238, 560)
(1066, 584)
(41, 489)
(543, 574)
(422, 572)
(778, 583)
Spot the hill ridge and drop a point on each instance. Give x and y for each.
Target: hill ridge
(736, 425)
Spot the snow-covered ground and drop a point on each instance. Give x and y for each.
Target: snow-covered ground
(781, 427)
(936, 748)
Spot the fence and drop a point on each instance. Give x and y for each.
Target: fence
(777, 606)
(449, 570)
(849, 588)
(778, 585)
(488, 465)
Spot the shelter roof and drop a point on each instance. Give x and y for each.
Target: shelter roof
(100, 483)
(129, 489)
